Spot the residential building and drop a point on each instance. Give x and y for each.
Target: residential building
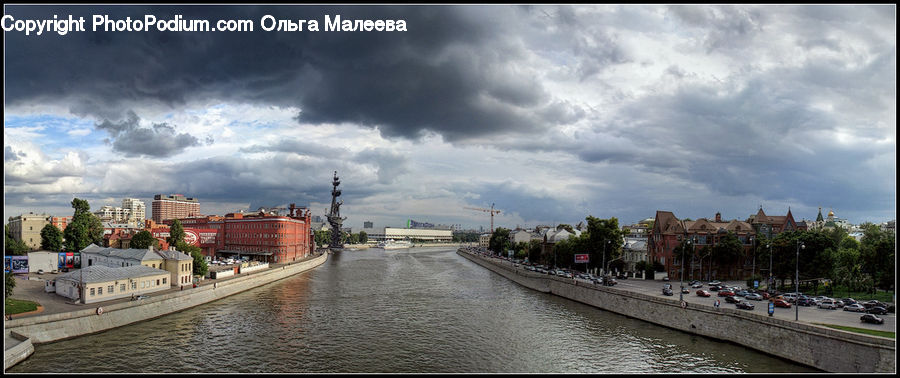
(179, 265)
(102, 283)
(520, 236)
(772, 225)
(113, 214)
(484, 241)
(137, 210)
(27, 228)
(61, 222)
(668, 232)
(175, 206)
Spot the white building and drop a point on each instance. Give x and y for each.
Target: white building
(484, 241)
(101, 283)
(137, 208)
(179, 265)
(43, 260)
(432, 235)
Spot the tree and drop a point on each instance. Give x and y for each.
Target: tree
(14, 247)
(727, 251)
(85, 228)
(566, 227)
(323, 237)
(877, 256)
(51, 238)
(10, 284)
(176, 233)
(499, 242)
(143, 240)
(602, 232)
(363, 237)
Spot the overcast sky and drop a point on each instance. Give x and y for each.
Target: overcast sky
(552, 113)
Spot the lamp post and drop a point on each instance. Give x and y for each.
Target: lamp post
(753, 245)
(681, 290)
(771, 277)
(797, 281)
(605, 269)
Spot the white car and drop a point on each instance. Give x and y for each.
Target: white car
(828, 304)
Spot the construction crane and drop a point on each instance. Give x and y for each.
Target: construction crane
(491, 210)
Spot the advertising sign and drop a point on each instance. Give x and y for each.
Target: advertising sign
(69, 260)
(6, 261)
(755, 284)
(200, 237)
(18, 264)
(582, 258)
(771, 308)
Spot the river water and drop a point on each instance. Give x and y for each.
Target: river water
(422, 310)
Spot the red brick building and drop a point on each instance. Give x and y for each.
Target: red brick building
(175, 206)
(261, 236)
(668, 232)
(61, 222)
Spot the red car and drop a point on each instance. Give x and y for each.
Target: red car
(703, 293)
(726, 293)
(764, 294)
(782, 303)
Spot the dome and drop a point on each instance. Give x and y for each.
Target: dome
(831, 213)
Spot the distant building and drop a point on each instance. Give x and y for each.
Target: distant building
(61, 222)
(830, 222)
(367, 224)
(137, 209)
(175, 206)
(772, 225)
(416, 234)
(520, 236)
(27, 228)
(484, 241)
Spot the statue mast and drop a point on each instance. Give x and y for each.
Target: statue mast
(334, 217)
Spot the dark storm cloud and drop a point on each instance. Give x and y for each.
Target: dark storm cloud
(161, 140)
(448, 74)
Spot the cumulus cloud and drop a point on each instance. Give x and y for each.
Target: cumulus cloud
(159, 140)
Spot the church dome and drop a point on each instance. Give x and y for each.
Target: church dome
(831, 213)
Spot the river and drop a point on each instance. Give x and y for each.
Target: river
(422, 310)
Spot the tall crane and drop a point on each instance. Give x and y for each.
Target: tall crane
(491, 210)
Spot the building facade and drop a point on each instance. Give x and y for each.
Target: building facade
(27, 228)
(177, 264)
(772, 225)
(175, 206)
(61, 222)
(669, 232)
(434, 235)
(101, 283)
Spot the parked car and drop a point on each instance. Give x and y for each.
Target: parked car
(804, 301)
(877, 310)
(781, 303)
(697, 285)
(829, 303)
(685, 290)
(610, 282)
(665, 278)
(754, 296)
(742, 293)
(871, 318)
(694, 282)
(714, 283)
(873, 303)
(732, 299)
(703, 293)
(765, 295)
(848, 301)
(40, 271)
(855, 307)
(744, 305)
(726, 293)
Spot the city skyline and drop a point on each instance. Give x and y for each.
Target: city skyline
(551, 113)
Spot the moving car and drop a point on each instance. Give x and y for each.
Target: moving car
(714, 283)
(804, 301)
(871, 318)
(855, 307)
(703, 293)
(828, 303)
(726, 293)
(667, 290)
(742, 293)
(697, 285)
(877, 310)
(744, 305)
(685, 290)
(732, 300)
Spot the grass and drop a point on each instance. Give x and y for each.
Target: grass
(872, 332)
(17, 306)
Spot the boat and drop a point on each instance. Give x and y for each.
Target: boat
(394, 244)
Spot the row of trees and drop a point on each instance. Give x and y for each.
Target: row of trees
(322, 238)
(601, 238)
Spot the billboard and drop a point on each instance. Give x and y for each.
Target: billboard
(582, 258)
(18, 264)
(69, 260)
(6, 261)
(200, 237)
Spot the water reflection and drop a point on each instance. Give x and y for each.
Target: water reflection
(418, 310)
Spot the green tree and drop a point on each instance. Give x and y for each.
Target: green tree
(51, 238)
(176, 233)
(363, 237)
(602, 236)
(876, 252)
(499, 242)
(85, 228)
(727, 251)
(143, 240)
(10, 284)
(14, 247)
(322, 237)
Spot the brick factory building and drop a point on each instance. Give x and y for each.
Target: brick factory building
(175, 206)
(261, 236)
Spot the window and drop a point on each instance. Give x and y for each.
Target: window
(122, 287)
(110, 288)
(92, 292)
(133, 285)
(164, 281)
(99, 291)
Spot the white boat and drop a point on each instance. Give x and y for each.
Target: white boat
(394, 244)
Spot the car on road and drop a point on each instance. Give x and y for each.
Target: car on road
(714, 283)
(754, 296)
(703, 293)
(726, 293)
(667, 291)
(744, 305)
(855, 308)
(665, 278)
(697, 285)
(877, 310)
(40, 271)
(828, 303)
(742, 293)
(804, 301)
(873, 303)
(871, 318)
(609, 281)
(848, 301)
(685, 290)
(781, 303)
(732, 300)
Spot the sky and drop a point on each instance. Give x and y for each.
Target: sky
(550, 113)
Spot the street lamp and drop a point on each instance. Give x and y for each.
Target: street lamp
(797, 281)
(605, 269)
(753, 245)
(771, 278)
(681, 291)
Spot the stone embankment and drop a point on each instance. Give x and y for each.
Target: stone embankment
(819, 347)
(54, 327)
